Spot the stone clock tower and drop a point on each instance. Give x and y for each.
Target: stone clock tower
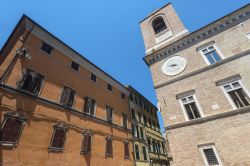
(202, 84)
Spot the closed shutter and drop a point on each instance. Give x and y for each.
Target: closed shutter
(10, 131)
(210, 156)
(126, 150)
(86, 147)
(59, 138)
(109, 148)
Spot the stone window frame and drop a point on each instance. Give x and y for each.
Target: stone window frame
(74, 98)
(209, 44)
(208, 146)
(87, 133)
(87, 98)
(59, 125)
(109, 152)
(187, 94)
(230, 80)
(137, 151)
(18, 116)
(126, 153)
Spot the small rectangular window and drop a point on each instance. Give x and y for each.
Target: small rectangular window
(142, 132)
(10, 131)
(124, 120)
(145, 120)
(123, 95)
(210, 54)
(86, 144)
(93, 77)
(126, 150)
(210, 155)
(109, 111)
(31, 82)
(75, 66)
(237, 94)
(46, 48)
(144, 151)
(190, 107)
(137, 152)
(58, 139)
(67, 97)
(109, 147)
(109, 87)
(89, 106)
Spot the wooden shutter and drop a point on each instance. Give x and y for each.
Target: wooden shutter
(86, 145)
(126, 150)
(109, 148)
(59, 138)
(10, 131)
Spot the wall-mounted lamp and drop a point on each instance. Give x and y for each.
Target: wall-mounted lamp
(24, 52)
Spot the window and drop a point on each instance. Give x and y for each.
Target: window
(58, 138)
(93, 77)
(11, 129)
(136, 100)
(210, 155)
(133, 114)
(137, 152)
(158, 25)
(149, 145)
(190, 107)
(46, 48)
(145, 120)
(131, 97)
(109, 87)
(89, 106)
(109, 148)
(74, 66)
(123, 95)
(67, 97)
(86, 143)
(237, 94)
(150, 123)
(124, 120)
(31, 82)
(142, 132)
(139, 117)
(144, 151)
(211, 55)
(109, 111)
(137, 131)
(126, 150)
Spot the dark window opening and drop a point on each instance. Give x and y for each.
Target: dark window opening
(109, 87)
(46, 48)
(86, 144)
(192, 110)
(210, 156)
(93, 77)
(67, 97)
(123, 95)
(31, 82)
(75, 66)
(144, 151)
(89, 106)
(11, 130)
(109, 147)
(58, 139)
(239, 98)
(126, 150)
(125, 120)
(159, 25)
(109, 111)
(137, 152)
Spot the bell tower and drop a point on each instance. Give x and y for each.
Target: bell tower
(161, 28)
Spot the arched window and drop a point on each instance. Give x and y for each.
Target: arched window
(159, 25)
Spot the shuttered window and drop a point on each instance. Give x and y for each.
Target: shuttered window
(89, 106)
(31, 82)
(58, 139)
(109, 111)
(124, 120)
(86, 144)
(109, 148)
(10, 130)
(237, 94)
(210, 155)
(67, 97)
(126, 150)
(158, 25)
(191, 107)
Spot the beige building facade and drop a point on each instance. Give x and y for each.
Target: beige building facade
(148, 141)
(202, 83)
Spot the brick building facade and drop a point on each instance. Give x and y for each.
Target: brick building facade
(202, 83)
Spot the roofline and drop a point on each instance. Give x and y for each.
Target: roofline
(80, 55)
(133, 89)
(196, 31)
(169, 3)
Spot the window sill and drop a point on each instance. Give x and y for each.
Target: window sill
(56, 150)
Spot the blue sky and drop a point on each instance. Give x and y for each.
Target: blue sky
(107, 32)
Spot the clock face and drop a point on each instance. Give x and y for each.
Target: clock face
(174, 65)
